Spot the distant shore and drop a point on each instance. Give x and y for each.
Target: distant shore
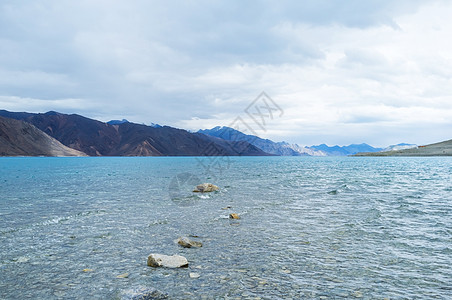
(437, 149)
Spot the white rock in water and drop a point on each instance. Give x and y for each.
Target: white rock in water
(194, 275)
(166, 261)
(206, 187)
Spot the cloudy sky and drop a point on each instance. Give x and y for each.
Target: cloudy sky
(343, 72)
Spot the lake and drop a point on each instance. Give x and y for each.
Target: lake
(310, 227)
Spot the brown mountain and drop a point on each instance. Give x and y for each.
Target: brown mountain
(437, 149)
(96, 138)
(18, 138)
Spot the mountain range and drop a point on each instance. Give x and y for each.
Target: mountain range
(96, 138)
(57, 134)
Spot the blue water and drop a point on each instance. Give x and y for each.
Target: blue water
(321, 228)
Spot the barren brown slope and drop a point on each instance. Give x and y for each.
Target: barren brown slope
(18, 138)
(437, 149)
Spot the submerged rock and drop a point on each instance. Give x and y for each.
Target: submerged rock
(22, 259)
(205, 188)
(194, 275)
(143, 294)
(125, 275)
(88, 270)
(234, 216)
(187, 243)
(166, 261)
(357, 294)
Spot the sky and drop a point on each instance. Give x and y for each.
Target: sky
(340, 72)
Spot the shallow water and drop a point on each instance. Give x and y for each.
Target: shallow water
(322, 228)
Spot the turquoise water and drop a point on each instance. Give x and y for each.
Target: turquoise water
(321, 228)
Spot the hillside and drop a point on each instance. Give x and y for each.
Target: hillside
(93, 137)
(437, 149)
(18, 138)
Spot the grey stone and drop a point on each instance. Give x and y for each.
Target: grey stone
(166, 261)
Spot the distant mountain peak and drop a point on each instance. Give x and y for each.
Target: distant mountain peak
(222, 129)
(217, 127)
(117, 122)
(155, 125)
(52, 113)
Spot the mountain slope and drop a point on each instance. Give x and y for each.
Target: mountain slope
(18, 138)
(437, 149)
(128, 139)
